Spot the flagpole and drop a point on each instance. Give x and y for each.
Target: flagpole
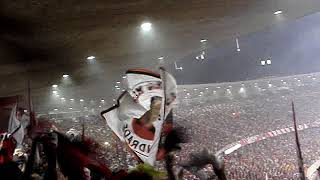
(163, 78)
(299, 154)
(33, 123)
(83, 128)
(30, 109)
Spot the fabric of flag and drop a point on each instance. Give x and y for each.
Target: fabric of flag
(9, 124)
(142, 110)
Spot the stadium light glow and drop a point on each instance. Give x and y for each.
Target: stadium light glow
(268, 61)
(237, 44)
(65, 76)
(146, 26)
(277, 12)
(54, 86)
(241, 90)
(91, 57)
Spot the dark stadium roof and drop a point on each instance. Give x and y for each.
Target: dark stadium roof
(291, 46)
(42, 40)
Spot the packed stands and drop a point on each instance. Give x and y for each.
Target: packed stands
(216, 115)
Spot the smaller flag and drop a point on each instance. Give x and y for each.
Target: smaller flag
(9, 123)
(11, 131)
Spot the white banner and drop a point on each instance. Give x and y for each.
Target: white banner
(15, 128)
(9, 123)
(138, 117)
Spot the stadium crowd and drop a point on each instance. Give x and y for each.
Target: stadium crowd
(215, 123)
(213, 119)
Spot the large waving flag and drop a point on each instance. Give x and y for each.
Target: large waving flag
(142, 110)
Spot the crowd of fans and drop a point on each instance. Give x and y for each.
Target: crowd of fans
(215, 123)
(111, 152)
(216, 117)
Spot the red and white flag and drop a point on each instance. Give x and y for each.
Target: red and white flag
(9, 123)
(141, 111)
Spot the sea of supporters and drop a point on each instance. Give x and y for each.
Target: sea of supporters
(215, 123)
(215, 116)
